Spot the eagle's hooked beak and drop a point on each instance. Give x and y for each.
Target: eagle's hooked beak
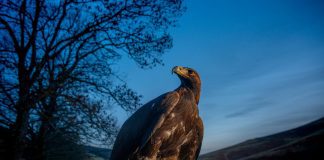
(181, 71)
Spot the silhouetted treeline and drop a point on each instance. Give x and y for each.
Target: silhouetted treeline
(57, 82)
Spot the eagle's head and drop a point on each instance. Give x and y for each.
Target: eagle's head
(189, 78)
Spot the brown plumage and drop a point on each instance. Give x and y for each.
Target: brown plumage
(166, 128)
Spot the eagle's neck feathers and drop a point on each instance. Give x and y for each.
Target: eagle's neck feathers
(195, 89)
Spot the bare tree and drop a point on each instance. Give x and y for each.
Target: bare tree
(56, 59)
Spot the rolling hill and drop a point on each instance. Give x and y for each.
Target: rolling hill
(302, 143)
(96, 153)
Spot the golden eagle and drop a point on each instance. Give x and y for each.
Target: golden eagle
(166, 128)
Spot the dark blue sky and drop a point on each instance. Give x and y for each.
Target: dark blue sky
(261, 64)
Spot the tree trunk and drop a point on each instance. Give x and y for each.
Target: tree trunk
(22, 108)
(45, 128)
(40, 150)
(21, 126)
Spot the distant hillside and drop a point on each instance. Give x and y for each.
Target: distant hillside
(302, 143)
(96, 153)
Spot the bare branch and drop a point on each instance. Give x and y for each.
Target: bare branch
(11, 33)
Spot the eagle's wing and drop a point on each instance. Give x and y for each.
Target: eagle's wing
(139, 128)
(160, 110)
(200, 131)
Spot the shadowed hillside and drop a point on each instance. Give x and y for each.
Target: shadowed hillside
(95, 153)
(301, 143)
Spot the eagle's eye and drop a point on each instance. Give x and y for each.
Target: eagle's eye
(190, 71)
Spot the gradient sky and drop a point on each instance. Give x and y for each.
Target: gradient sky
(261, 65)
